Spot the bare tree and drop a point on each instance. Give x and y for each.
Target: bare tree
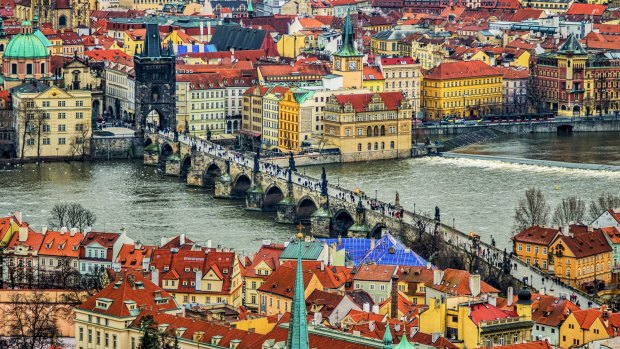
(535, 91)
(30, 120)
(71, 215)
(603, 203)
(30, 320)
(80, 143)
(570, 210)
(531, 210)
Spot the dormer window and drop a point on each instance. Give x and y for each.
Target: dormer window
(187, 270)
(103, 303)
(166, 268)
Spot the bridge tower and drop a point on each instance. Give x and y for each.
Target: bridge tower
(320, 222)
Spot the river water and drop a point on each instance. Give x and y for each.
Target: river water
(477, 195)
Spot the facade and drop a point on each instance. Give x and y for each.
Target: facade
(271, 110)
(403, 74)
(52, 122)
(99, 250)
(252, 115)
(515, 90)
(201, 104)
(347, 61)
(376, 280)
(289, 121)
(532, 245)
(463, 89)
(21, 256)
(263, 264)
(276, 293)
(582, 327)
(369, 126)
(59, 256)
(120, 90)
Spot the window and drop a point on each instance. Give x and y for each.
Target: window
(14, 68)
(392, 145)
(520, 247)
(61, 128)
(371, 286)
(79, 103)
(62, 116)
(106, 340)
(359, 146)
(79, 115)
(81, 331)
(90, 336)
(46, 141)
(61, 103)
(61, 141)
(527, 248)
(114, 341)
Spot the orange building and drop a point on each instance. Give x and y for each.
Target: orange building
(532, 245)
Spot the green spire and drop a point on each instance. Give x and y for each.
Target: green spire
(348, 38)
(298, 328)
(250, 7)
(387, 337)
(404, 343)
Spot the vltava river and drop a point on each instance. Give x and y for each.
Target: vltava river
(480, 195)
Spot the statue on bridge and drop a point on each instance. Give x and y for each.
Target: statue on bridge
(397, 200)
(437, 214)
(291, 163)
(323, 183)
(209, 134)
(256, 163)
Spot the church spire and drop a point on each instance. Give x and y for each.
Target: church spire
(348, 38)
(298, 328)
(387, 337)
(250, 9)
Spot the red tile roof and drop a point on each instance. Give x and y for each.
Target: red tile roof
(612, 233)
(586, 318)
(268, 254)
(459, 70)
(524, 14)
(61, 244)
(5, 225)
(488, 312)
(397, 61)
(32, 242)
(375, 272)
(514, 73)
(456, 282)
(360, 101)
(529, 345)
(537, 235)
(358, 316)
(106, 55)
(586, 9)
(587, 243)
(326, 302)
(282, 281)
(126, 287)
(330, 277)
(132, 256)
(372, 73)
(550, 310)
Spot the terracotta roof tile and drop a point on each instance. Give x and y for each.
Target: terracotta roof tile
(375, 272)
(360, 101)
(537, 235)
(586, 9)
(61, 244)
(459, 70)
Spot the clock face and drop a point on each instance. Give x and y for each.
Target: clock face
(352, 65)
(338, 64)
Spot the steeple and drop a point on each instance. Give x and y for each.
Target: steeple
(387, 337)
(152, 42)
(250, 9)
(298, 328)
(404, 343)
(348, 38)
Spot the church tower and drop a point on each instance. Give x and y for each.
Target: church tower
(155, 84)
(297, 327)
(348, 61)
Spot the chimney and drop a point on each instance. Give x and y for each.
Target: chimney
(397, 327)
(437, 277)
(63, 230)
(492, 300)
(123, 231)
(182, 240)
(474, 285)
(208, 243)
(23, 234)
(542, 291)
(73, 231)
(199, 280)
(565, 230)
(232, 54)
(209, 30)
(137, 245)
(322, 266)
(428, 265)
(43, 229)
(202, 29)
(590, 229)
(371, 325)
(18, 216)
(366, 308)
(510, 296)
(375, 309)
(372, 243)
(394, 295)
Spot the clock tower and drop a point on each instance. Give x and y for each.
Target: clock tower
(348, 61)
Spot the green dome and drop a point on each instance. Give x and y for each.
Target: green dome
(26, 46)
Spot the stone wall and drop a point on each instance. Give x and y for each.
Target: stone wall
(305, 160)
(376, 155)
(117, 148)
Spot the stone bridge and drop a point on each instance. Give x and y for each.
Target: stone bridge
(330, 211)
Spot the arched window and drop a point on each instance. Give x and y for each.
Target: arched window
(382, 145)
(382, 130)
(369, 146)
(376, 146)
(62, 21)
(359, 146)
(568, 272)
(369, 131)
(392, 145)
(376, 131)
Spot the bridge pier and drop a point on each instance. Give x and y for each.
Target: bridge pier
(172, 166)
(320, 222)
(194, 178)
(285, 212)
(254, 198)
(151, 155)
(223, 187)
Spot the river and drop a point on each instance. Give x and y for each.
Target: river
(477, 195)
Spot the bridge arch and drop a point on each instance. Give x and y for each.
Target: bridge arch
(185, 166)
(210, 175)
(166, 151)
(341, 222)
(565, 129)
(240, 185)
(148, 141)
(273, 195)
(305, 208)
(377, 231)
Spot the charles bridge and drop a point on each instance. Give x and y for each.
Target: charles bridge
(329, 210)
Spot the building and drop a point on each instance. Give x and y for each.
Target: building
(403, 74)
(584, 326)
(26, 57)
(271, 110)
(21, 256)
(199, 275)
(120, 89)
(582, 256)
(201, 103)
(373, 79)
(347, 61)
(515, 89)
(462, 89)
(99, 250)
(264, 263)
(252, 115)
(63, 14)
(290, 125)
(134, 257)
(52, 122)
(102, 321)
(369, 126)
(59, 255)
(376, 280)
(532, 245)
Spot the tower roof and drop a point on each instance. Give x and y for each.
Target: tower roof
(572, 45)
(26, 45)
(387, 337)
(152, 42)
(298, 328)
(404, 343)
(348, 38)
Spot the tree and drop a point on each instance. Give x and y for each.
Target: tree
(570, 210)
(30, 320)
(80, 143)
(531, 210)
(535, 92)
(31, 120)
(603, 203)
(149, 338)
(71, 215)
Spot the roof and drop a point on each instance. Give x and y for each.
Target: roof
(397, 61)
(281, 282)
(372, 73)
(456, 282)
(524, 14)
(310, 250)
(103, 239)
(237, 37)
(612, 233)
(528, 345)
(460, 70)
(132, 256)
(61, 243)
(360, 101)
(537, 235)
(511, 73)
(375, 273)
(586, 9)
(268, 254)
(25, 46)
(10, 224)
(586, 318)
(550, 310)
(32, 242)
(488, 312)
(130, 288)
(330, 277)
(323, 302)
(586, 244)
(572, 45)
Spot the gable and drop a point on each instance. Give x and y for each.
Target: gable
(53, 92)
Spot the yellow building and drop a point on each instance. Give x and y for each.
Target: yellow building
(373, 79)
(347, 62)
(581, 327)
(552, 6)
(289, 124)
(369, 126)
(263, 265)
(201, 104)
(133, 41)
(532, 245)
(292, 45)
(463, 89)
(52, 122)
(581, 255)
(429, 52)
(276, 294)
(271, 108)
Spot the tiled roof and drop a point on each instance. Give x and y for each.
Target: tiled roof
(524, 14)
(460, 70)
(310, 250)
(488, 312)
(132, 256)
(372, 73)
(103, 239)
(358, 316)
(529, 345)
(514, 73)
(587, 243)
(106, 55)
(586, 9)
(387, 251)
(585, 318)
(32, 242)
(456, 282)
(281, 282)
(360, 101)
(330, 277)
(6, 227)
(612, 233)
(287, 70)
(61, 244)
(549, 310)
(325, 301)
(397, 61)
(375, 273)
(130, 287)
(269, 254)
(537, 235)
